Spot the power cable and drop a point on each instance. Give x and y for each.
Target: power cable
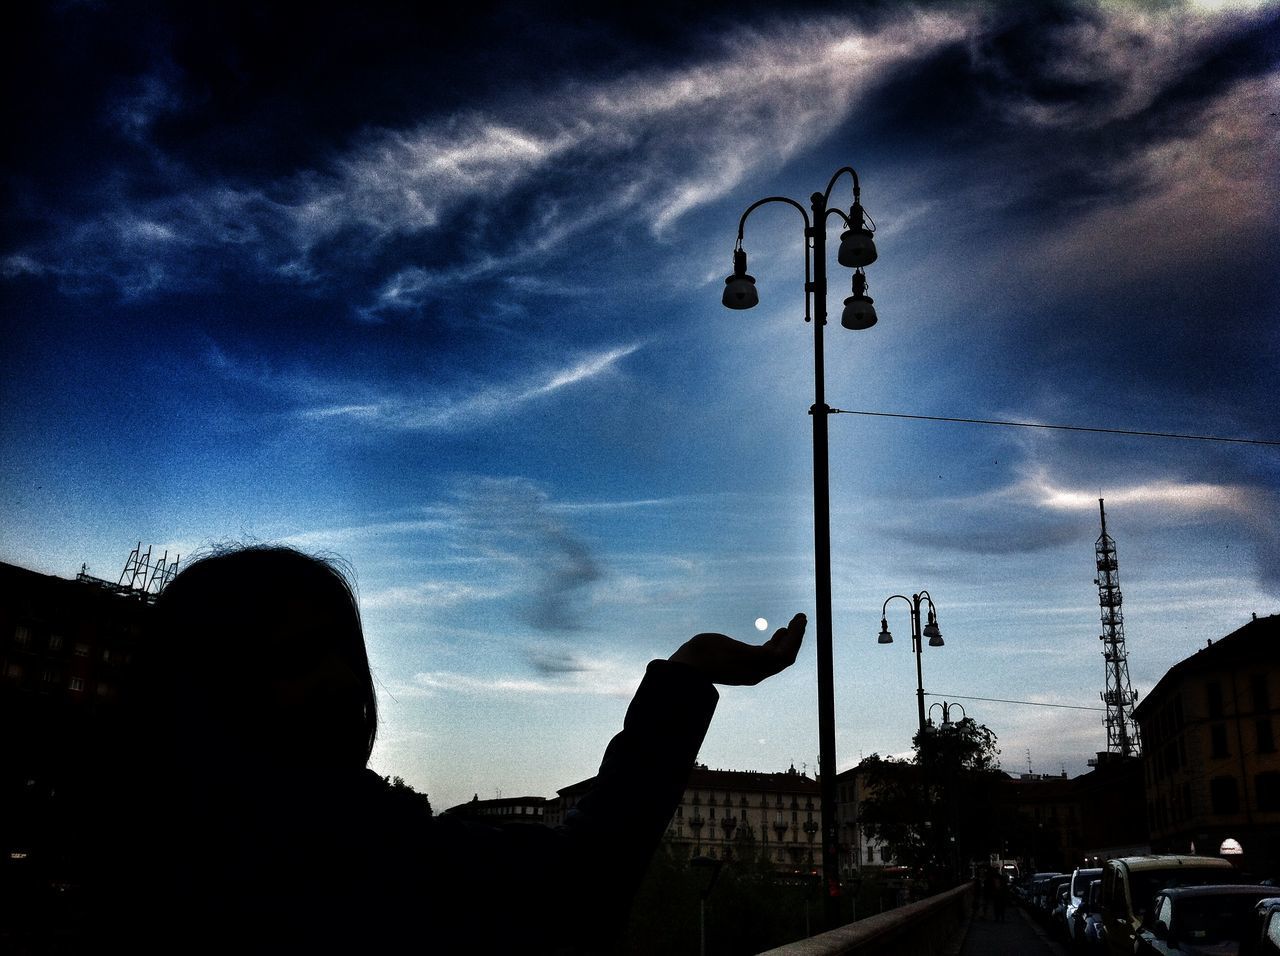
(1068, 428)
(1001, 700)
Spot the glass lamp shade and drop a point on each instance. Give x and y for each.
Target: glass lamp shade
(740, 292)
(858, 313)
(885, 637)
(857, 248)
(932, 631)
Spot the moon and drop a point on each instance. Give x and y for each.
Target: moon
(761, 624)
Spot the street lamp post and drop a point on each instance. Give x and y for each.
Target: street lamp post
(857, 249)
(930, 631)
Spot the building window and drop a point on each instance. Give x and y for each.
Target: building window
(1267, 786)
(1266, 742)
(82, 649)
(77, 683)
(1213, 698)
(1260, 699)
(13, 670)
(1224, 797)
(1218, 741)
(22, 635)
(55, 642)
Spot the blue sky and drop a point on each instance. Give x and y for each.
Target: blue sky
(442, 297)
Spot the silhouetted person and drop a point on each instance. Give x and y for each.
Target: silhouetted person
(999, 893)
(250, 821)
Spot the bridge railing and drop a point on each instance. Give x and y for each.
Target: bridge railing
(930, 927)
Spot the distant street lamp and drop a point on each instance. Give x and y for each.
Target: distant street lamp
(946, 712)
(930, 631)
(857, 249)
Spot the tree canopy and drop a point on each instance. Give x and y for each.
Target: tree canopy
(936, 811)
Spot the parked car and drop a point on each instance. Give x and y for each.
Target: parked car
(1130, 883)
(1080, 881)
(1052, 904)
(1035, 889)
(1199, 920)
(1088, 935)
(1262, 932)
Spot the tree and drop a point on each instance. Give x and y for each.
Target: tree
(936, 811)
(405, 795)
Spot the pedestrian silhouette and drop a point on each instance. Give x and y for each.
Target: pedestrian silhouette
(251, 822)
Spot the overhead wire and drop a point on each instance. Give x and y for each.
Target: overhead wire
(1002, 700)
(1070, 428)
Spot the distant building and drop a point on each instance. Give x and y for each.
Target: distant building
(733, 814)
(502, 809)
(1209, 735)
(65, 648)
(858, 851)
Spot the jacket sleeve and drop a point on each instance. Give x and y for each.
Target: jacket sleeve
(569, 889)
(645, 768)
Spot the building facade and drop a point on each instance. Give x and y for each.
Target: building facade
(1211, 766)
(736, 814)
(65, 650)
(503, 809)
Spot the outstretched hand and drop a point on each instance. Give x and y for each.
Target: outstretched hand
(726, 661)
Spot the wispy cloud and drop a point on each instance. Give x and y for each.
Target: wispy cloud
(653, 144)
(469, 409)
(1164, 493)
(1041, 511)
(421, 407)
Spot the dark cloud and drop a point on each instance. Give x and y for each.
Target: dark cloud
(510, 520)
(991, 529)
(552, 662)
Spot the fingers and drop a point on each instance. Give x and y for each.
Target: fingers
(784, 646)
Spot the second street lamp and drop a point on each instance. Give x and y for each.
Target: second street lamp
(857, 249)
(930, 631)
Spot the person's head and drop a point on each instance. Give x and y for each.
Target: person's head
(257, 655)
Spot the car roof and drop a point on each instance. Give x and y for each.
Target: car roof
(1170, 860)
(1221, 889)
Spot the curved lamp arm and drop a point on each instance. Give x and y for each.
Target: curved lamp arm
(808, 269)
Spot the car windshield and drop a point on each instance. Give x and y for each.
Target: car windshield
(1080, 883)
(1207, 920)
(1145, 884)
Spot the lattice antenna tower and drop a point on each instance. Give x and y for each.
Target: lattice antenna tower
(143, 576)
(1122, 729)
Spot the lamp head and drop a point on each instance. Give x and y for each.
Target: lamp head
(857, 247)
(740, 288)
(932, 631)
(885, 637)
(859, 312)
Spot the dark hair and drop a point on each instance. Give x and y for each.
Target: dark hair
(209, 657)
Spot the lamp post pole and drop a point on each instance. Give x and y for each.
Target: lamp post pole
(916, 644)
(856, 250)
(822, 572)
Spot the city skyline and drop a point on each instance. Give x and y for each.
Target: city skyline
(442, 298)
